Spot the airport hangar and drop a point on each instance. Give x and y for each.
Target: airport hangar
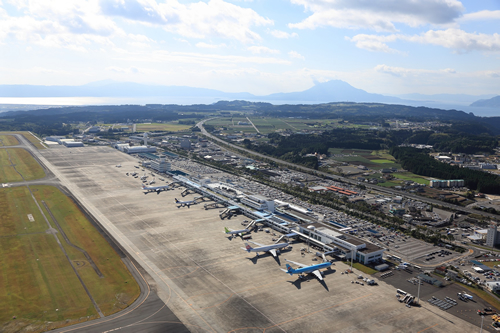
(211, 285)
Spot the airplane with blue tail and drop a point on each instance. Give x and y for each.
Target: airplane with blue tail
(313, 269)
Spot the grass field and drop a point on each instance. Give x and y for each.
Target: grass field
(381, 161)
(168, 127)
(24, 164)
(412, 177)
(8, 140)
(35, 276)
(118, 288)
(35, 141)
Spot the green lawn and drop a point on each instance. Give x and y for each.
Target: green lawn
(34, 140)
(117, 279)
(23, 162)
(169, 127)
(381, 161)
(412, 177)
(8, 140)
(35, 276)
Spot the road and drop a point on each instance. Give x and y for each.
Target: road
(347, 180)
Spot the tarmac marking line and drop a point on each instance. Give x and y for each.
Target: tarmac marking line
(246, 328)
(425, 329)
(318, 311)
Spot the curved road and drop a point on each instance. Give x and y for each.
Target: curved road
(347, 180)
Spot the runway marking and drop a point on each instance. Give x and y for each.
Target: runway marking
(318, 311)
(425, 329)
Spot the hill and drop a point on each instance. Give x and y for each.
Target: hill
(493, 102)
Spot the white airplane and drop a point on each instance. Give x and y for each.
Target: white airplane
(118, 165)
(234, 233)
(184, 203)
(265, 248)
(312, 269)
(156, 189)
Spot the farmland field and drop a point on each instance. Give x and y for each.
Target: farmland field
(8, 140)
(38, 285)
(24, 163)
(169, 127)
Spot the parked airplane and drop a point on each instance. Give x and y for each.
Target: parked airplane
(118, 165)
(234, 233)
(184, 203)
(313, 269)
(156, 189)
(265, 248)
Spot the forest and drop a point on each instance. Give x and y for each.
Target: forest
(419, 162)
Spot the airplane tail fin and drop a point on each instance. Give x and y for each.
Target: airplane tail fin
(248, 247)
(176, 201)
(226, 230)
(143, 187)
(289, 269)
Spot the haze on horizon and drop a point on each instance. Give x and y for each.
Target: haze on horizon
(388, 47)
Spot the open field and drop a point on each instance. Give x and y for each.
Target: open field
(373, 159)
(36, 278)
(8, 140)
(412, 177)
(209, 282)
(168, 127)
(35, 141)
(24, 163)
(37, 275)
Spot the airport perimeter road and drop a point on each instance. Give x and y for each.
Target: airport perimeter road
(347, 180)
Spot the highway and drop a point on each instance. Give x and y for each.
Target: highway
(347, 180)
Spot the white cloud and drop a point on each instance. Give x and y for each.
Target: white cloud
(374, 43)
(377, 15)
(209, 46)
(62, 24)
(405, 72)
(215, 18)
(482, 15)
(457, 40)
(296, 55)
(283, 34)
(121, 70)
(262, 49)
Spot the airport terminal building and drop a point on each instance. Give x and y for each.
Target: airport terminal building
(366, 252)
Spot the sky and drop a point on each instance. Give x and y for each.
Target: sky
(258, 46)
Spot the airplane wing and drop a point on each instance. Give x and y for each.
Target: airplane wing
(317, 273)
(297, 263)
(256, 243)
(273, 252)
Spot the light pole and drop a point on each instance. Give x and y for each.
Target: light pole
(482, 318)
(352, 257)
(418, 293)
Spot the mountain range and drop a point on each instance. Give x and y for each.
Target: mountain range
(330, 91)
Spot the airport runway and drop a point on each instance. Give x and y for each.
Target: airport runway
(148, 313)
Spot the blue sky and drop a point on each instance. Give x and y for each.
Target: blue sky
(259, 46)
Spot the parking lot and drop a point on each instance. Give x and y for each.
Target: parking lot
(441, 300)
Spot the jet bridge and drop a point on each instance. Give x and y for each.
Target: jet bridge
(217, 204)
(187, 191)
